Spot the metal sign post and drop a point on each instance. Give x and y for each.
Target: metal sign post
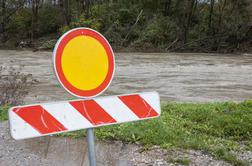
(91, 147)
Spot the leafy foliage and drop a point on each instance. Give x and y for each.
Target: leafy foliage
(172, 25)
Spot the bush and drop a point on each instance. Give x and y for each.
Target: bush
(20, 24)
(81, 21)
(49, 20)
(158, 33)
(14, 86)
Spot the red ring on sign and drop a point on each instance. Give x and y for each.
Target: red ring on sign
(59, 48)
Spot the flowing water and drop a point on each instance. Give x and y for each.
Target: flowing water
(191, 77)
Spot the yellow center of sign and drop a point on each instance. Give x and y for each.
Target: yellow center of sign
(84, 62)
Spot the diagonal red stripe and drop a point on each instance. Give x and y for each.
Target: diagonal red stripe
(138, 105)
(92, 112)
(39, 119)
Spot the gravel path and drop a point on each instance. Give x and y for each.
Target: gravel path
(57, 151)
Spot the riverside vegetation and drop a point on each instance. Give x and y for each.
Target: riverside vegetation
(129, 25)
(216, 128)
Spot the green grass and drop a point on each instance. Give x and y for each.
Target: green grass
(4, 112)
(189, 126)
(217, 128)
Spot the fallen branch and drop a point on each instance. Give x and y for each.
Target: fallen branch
(133, 26)
(202, 39)
(175, 41)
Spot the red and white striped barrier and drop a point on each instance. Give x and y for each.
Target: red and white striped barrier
(50, 118)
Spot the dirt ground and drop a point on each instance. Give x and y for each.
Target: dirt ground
(58, 151)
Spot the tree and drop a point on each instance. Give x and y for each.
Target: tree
(8, 9)
(211, 11)
(167, 7)
(64, 6)
(191, 6)
(3, 20)
(35, 8)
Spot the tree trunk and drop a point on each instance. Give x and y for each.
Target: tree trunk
(3, 21)
(211, 15)
(189, 14)
(35, 8)
(64, 6)
(87, 8)
(221, 11)
(167, 7)
(219, 28)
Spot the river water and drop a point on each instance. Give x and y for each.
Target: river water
(190, 77)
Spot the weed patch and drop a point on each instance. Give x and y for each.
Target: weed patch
(4, 112)
(14, 85)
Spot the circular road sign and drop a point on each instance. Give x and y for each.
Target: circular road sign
(84, 62)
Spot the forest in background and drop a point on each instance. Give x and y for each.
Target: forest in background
(223, 26)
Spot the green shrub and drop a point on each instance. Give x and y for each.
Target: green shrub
(81, 21)
(49, 20)
(20, 24)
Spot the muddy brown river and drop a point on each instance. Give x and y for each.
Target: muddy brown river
(176, 76)
(189, 77)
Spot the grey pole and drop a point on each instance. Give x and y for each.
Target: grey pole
(91, 147)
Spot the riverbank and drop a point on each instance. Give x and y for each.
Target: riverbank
(186, 133)
(47, 44)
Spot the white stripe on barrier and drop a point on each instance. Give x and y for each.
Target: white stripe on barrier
(67, 115)
(152, 98)
(117, 109)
